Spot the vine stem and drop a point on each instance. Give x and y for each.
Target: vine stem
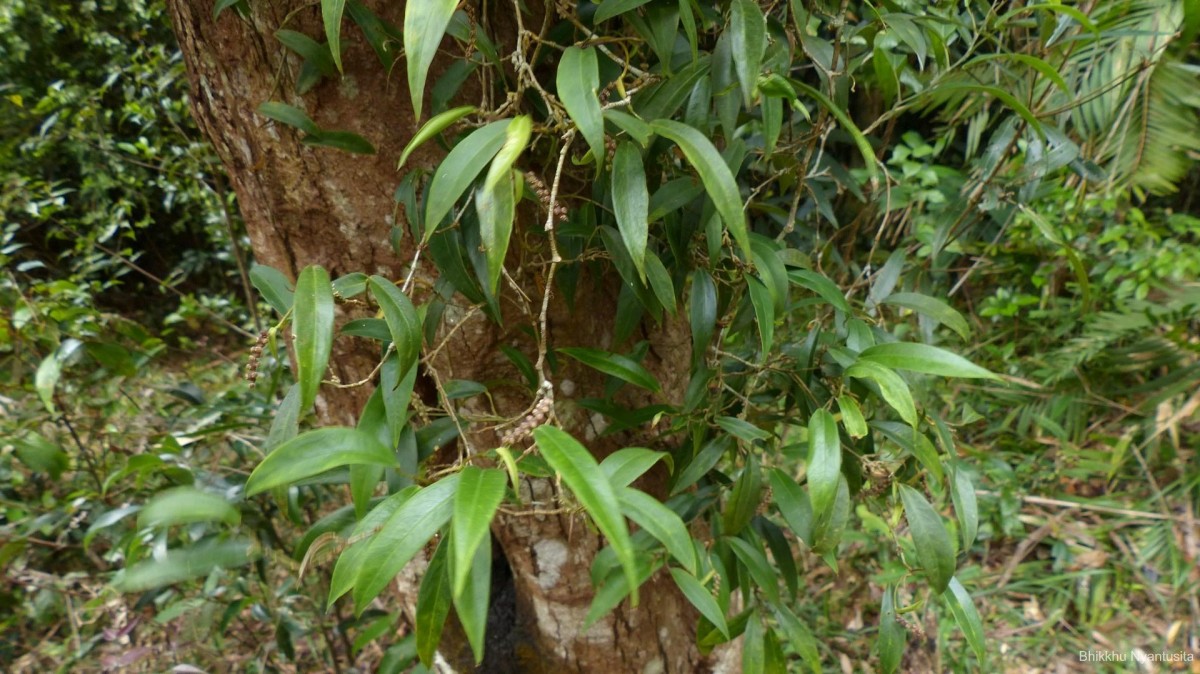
(543, 333)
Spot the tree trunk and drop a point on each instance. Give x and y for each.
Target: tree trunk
(304, 205)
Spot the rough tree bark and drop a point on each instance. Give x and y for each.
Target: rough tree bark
(305, 205)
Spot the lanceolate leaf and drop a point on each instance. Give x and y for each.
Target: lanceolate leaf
(315, 452)
(967, 617)
(274, 287)
(516, 138)
(312, 323)
(180, 565)
(934, 548)
(578, 87)
(290, 115)
(714, 173)
(860, 141)
(701, 598)
(894, 390)
(471, 605)
(402, 319)
(424, 25)
(924, 358)
(631, 202)
(331, 16)
(748, 31)
(479, 494)
(496, 207)
(402, 536)
(583, 476)
(432, 128)
(621, 367)
(661, 522)
(966, 507)
(702, 312)
(186, 505)
(433, 604)
(624, 466)
(824, 461)
(934, 308)
(459, 169)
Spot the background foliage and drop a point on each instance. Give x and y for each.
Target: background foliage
(808, 186)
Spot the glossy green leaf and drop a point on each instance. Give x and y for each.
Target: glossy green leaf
(340, 140)
(847, 124)
(312, 324)
(315, 452)
(402, 536)
(1005, 97)
(852, 417)
(966, 507)
(45, 380)
(820, 285)
(273, 286)
(349, 562)
(186, 505)
(496, 207)
(583, 477)
(824, 461)
(924, 358)
(185, 564)
(914, 442)
(744, 499)
(290, 115)
(714, 173)
(636, 128)
(753, 643)
(578, 84)
(614, 589)
(661, 522)
(516, 139)
(350, 285)
(893, 388)
(793, 504)
(748, 35)
(934, 308)
(221, 5)
(424, 26)
(312, 51)
(431, 129)
(471, 604)
(742, 429)
(934, 547)
(434, 599)
(702, 599)
(613, 364)
(660, 282)
(286, 423)
(631, 202)
(479, 495)
(702, 312)
(459, 169)
(41, 455)
(403, 322)
(892, 635)
(764, 314)
(624, 466)
(800, 638)
(610, 8)
(331, 16)
(752, 557)
(967, 617)
(705, 459)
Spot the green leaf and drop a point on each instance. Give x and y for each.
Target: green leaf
(403, 322)
(496, 207)
(610, 8)
(754, 657)
(43, 456)
(459, 169)
(702, 599)
(748, 35)
(852, 417)
(996, 92)
(516, 139)
(660, 281)
(624, 466)
(661, 522)
(801, 638)
(755, 561)
(1044, 69)
(315, 452)
(636, 128)
(45, 380)
(222, 5)
(312, 324)
(583, 477)
(631, 202)
(702, 313)
(432, 128)
(290, 115)
(350, 285)
(742, 429)
(616, 365)
(744, 499)
(471, 605)
(186, 505)
(331, 16)
(714, 173)
(615, 588)
(479, 495)
(286, 423)
(764, 314)
(424, 26)
(824, 461)
(934, 308)
(892, 635)
(704, 461)
(312, 51)
(793, 504)
(966, 507)
(401, 537)
(433, 604)
(349, 563)
(179, 565)
(340, 140)
(273, 286)
(967, 618)
(893, 388)
(578, 84)
(820, 285)
(864, 146)
(924, 358)
(934, 548)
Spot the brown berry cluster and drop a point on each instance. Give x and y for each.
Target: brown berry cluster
(255, 353)
(543, 194)
(768, 495)
(610, 149)
(912, 626)
(536, 417)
